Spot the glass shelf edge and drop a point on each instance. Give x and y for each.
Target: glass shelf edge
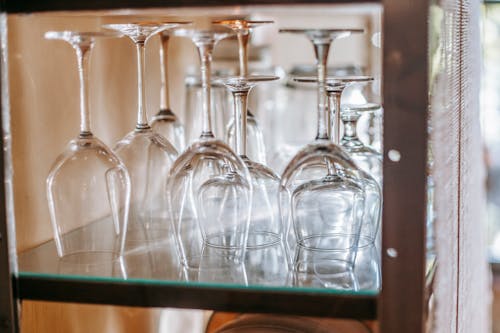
(197, 285)
(208, 297)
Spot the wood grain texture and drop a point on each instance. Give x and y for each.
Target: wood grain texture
(462, 291)
(474, 299)
(445, 121)
(405, 132)
(44, 317)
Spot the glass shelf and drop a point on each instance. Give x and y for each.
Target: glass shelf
(153, 277)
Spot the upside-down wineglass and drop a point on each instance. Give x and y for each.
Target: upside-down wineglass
(266, 260)
(256, 149)
(323, 206)
(364, 156)
(367, 263)
(146, 154)
(165, 122)
(88, 187)
(210, 192)
(335, 86)
(367, 266)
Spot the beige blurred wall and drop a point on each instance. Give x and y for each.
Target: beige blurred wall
(45, 104)
(43, 85)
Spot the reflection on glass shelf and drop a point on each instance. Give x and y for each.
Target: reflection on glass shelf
(158, 263)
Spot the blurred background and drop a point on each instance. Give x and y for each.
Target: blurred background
(490, 113)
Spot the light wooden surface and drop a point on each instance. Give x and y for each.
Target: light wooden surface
(44, 317)
(462, 283)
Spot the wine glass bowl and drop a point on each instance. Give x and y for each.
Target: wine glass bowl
(364, 156)
(325, 211)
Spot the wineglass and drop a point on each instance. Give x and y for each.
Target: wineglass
(324, 207)
(335, 86)
(266, 260)
(367, 267)
(88, 187)
(372, 211)
(210, 191)
(165, 122)
(256, 149)
(364, 156)
(146, 154)
(220, 100)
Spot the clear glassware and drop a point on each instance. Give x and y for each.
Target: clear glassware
(220, 101)
(256, 149)
(321, 196)
(335, 86)
(88, 187)
(290, 99)
(210, 192)
(364, 156)
(146, 154)
(374, 131)
(367, 267)
(165, 122)
(266, 258)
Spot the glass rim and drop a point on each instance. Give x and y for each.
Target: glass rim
(142, 31)
(216, 32)
(321, 30)
(67, 34)
(245, 79)
(147, 24)
(334, 80)
(365, 107)
(241, 24)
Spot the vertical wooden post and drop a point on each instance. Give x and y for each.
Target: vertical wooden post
(405, 88)
(8, 305)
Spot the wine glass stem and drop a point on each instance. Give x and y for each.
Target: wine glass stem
(164, 92)
(205, 52)
(334, 102)
(240, 115)
(83, 56)
(371, 126)
(142, 119)
(321, 50)
(350, 131)
(243, 52)
(332, 170)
